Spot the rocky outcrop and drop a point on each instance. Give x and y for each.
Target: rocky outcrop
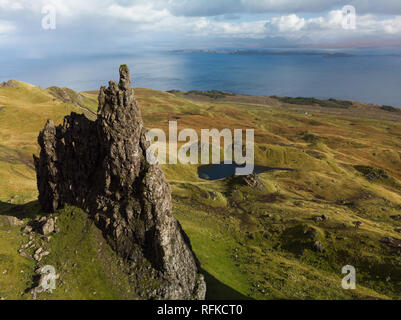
(101, 167)
(252, 181)
(9, 84)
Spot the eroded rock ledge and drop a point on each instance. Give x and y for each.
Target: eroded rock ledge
(100, 166)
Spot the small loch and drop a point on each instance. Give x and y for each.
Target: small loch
(222, 170)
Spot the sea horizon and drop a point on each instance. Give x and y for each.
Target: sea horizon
(368, 76)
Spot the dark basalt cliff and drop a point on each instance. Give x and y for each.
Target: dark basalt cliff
(101, 167)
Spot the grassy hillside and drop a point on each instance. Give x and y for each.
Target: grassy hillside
(251, 244)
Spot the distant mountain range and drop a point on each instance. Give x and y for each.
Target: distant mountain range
(268, 53)
(283, 53)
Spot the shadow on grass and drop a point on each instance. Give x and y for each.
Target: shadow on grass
(217, 290)
(20, 211)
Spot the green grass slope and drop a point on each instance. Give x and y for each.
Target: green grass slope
(251, 244)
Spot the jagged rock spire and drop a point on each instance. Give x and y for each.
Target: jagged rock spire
(125, 78)
(101, 167)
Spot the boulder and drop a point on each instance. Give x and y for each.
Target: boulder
(317, 219)
(47, 227)
(27, 229)
(253, 181)
(10, 221)
(318, 247)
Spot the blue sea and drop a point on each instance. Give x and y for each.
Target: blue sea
(369, 78)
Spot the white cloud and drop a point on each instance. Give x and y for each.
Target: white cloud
(140, 13)
(331, 26)
(89, 20)
(6, 27)
(211, 7)
(392, 26)
(206, 27)
(10, 5)
(219, 7)
(288, 23)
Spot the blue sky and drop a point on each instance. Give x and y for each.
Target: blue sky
(120, 26)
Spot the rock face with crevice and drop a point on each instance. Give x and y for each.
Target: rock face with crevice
(101, 167)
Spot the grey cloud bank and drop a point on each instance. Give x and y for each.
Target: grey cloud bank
(121, 26)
